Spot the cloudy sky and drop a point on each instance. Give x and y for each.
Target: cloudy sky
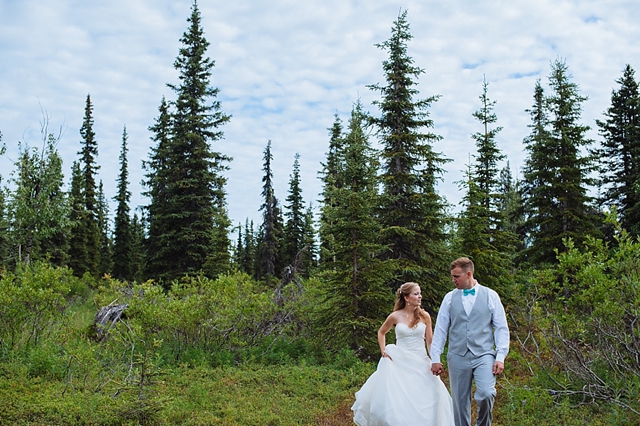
(285, 67)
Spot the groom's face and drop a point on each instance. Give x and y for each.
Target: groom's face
(461, 278)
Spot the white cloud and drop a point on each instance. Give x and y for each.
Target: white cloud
(285, 67)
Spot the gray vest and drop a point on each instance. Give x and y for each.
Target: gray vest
(472, 332)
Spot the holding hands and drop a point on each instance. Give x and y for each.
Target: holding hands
(437, 368)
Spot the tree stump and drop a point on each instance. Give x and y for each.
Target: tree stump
(106, 318)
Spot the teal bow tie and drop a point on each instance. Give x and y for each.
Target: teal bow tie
(469, 291)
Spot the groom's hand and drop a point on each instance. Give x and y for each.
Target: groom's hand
(437, 368)
(498, 368)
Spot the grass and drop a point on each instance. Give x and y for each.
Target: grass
(254, 395)
(251, 395)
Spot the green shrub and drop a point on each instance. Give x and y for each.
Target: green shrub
(580, 323)
(32, 303)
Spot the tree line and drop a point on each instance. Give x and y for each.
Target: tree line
(381, 219)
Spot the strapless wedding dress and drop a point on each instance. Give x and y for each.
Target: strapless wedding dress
(404, 391)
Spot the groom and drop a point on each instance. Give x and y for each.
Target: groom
(474, 319)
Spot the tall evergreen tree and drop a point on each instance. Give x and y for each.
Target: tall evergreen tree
(619, 154)
(355, 277)
(137, 248)
(293, 236)
(157, 181)
(412, 213)
(269, 256)
(79, 259)
(248, 254)
(484, 237)
(122, 232)
(486, 168)
(4, 220)
(106, 243)
(556, 173)
(329, 176)
(473, 231)
(84, 248)
(190, 223)
(511, 204)
(310, 254)
(238, 253)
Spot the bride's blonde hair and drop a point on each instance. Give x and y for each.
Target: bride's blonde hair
(419, 314)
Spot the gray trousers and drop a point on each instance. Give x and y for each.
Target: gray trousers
(462, 371)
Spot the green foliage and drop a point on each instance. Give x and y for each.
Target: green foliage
(269, 364)
(37, 208)
(619, 155)
(269, 261)
(557, 172)
(483, 232)
(85, 242)
(331, 179)
(411, 213)
(188, 220)
(355, 293)
(32, 300)
(106, 243)
(246, 257)
(123, 239)
(293, 236)
(580, 324)
(197, 319)
(4, 220)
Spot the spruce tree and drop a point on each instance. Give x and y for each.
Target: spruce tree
(293, 235)
(189, 222)
(619, 154)
(412, 213)
(85, 244)
(157, 180)
(122, 232)
(79, 259)
(329, 176)
(511, 204)
(248, 254)
(137, 248)
(355, 278)
(238, 253)
(486, 169)
(106, 243)
(4, 220)
(483, 234)
(557, 173)
(310, 254)
(473, 230)
(269, 246)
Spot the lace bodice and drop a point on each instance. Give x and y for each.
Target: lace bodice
(411, 338)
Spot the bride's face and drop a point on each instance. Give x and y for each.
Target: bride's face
(415, 297)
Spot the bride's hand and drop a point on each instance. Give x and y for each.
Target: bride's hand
(385, 355)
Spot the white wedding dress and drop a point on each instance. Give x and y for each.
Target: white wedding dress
(404, 391)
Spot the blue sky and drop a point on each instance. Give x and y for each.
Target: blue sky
(285, 67)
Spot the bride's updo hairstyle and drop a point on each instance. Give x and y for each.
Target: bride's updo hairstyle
(419, 314)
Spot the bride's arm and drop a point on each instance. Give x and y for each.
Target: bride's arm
(383, 330)
(428, 333)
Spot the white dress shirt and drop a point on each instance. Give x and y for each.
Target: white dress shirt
(498, 320)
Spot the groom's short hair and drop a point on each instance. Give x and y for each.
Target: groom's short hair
(463, 263)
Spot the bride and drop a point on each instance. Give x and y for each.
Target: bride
(403, 391)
